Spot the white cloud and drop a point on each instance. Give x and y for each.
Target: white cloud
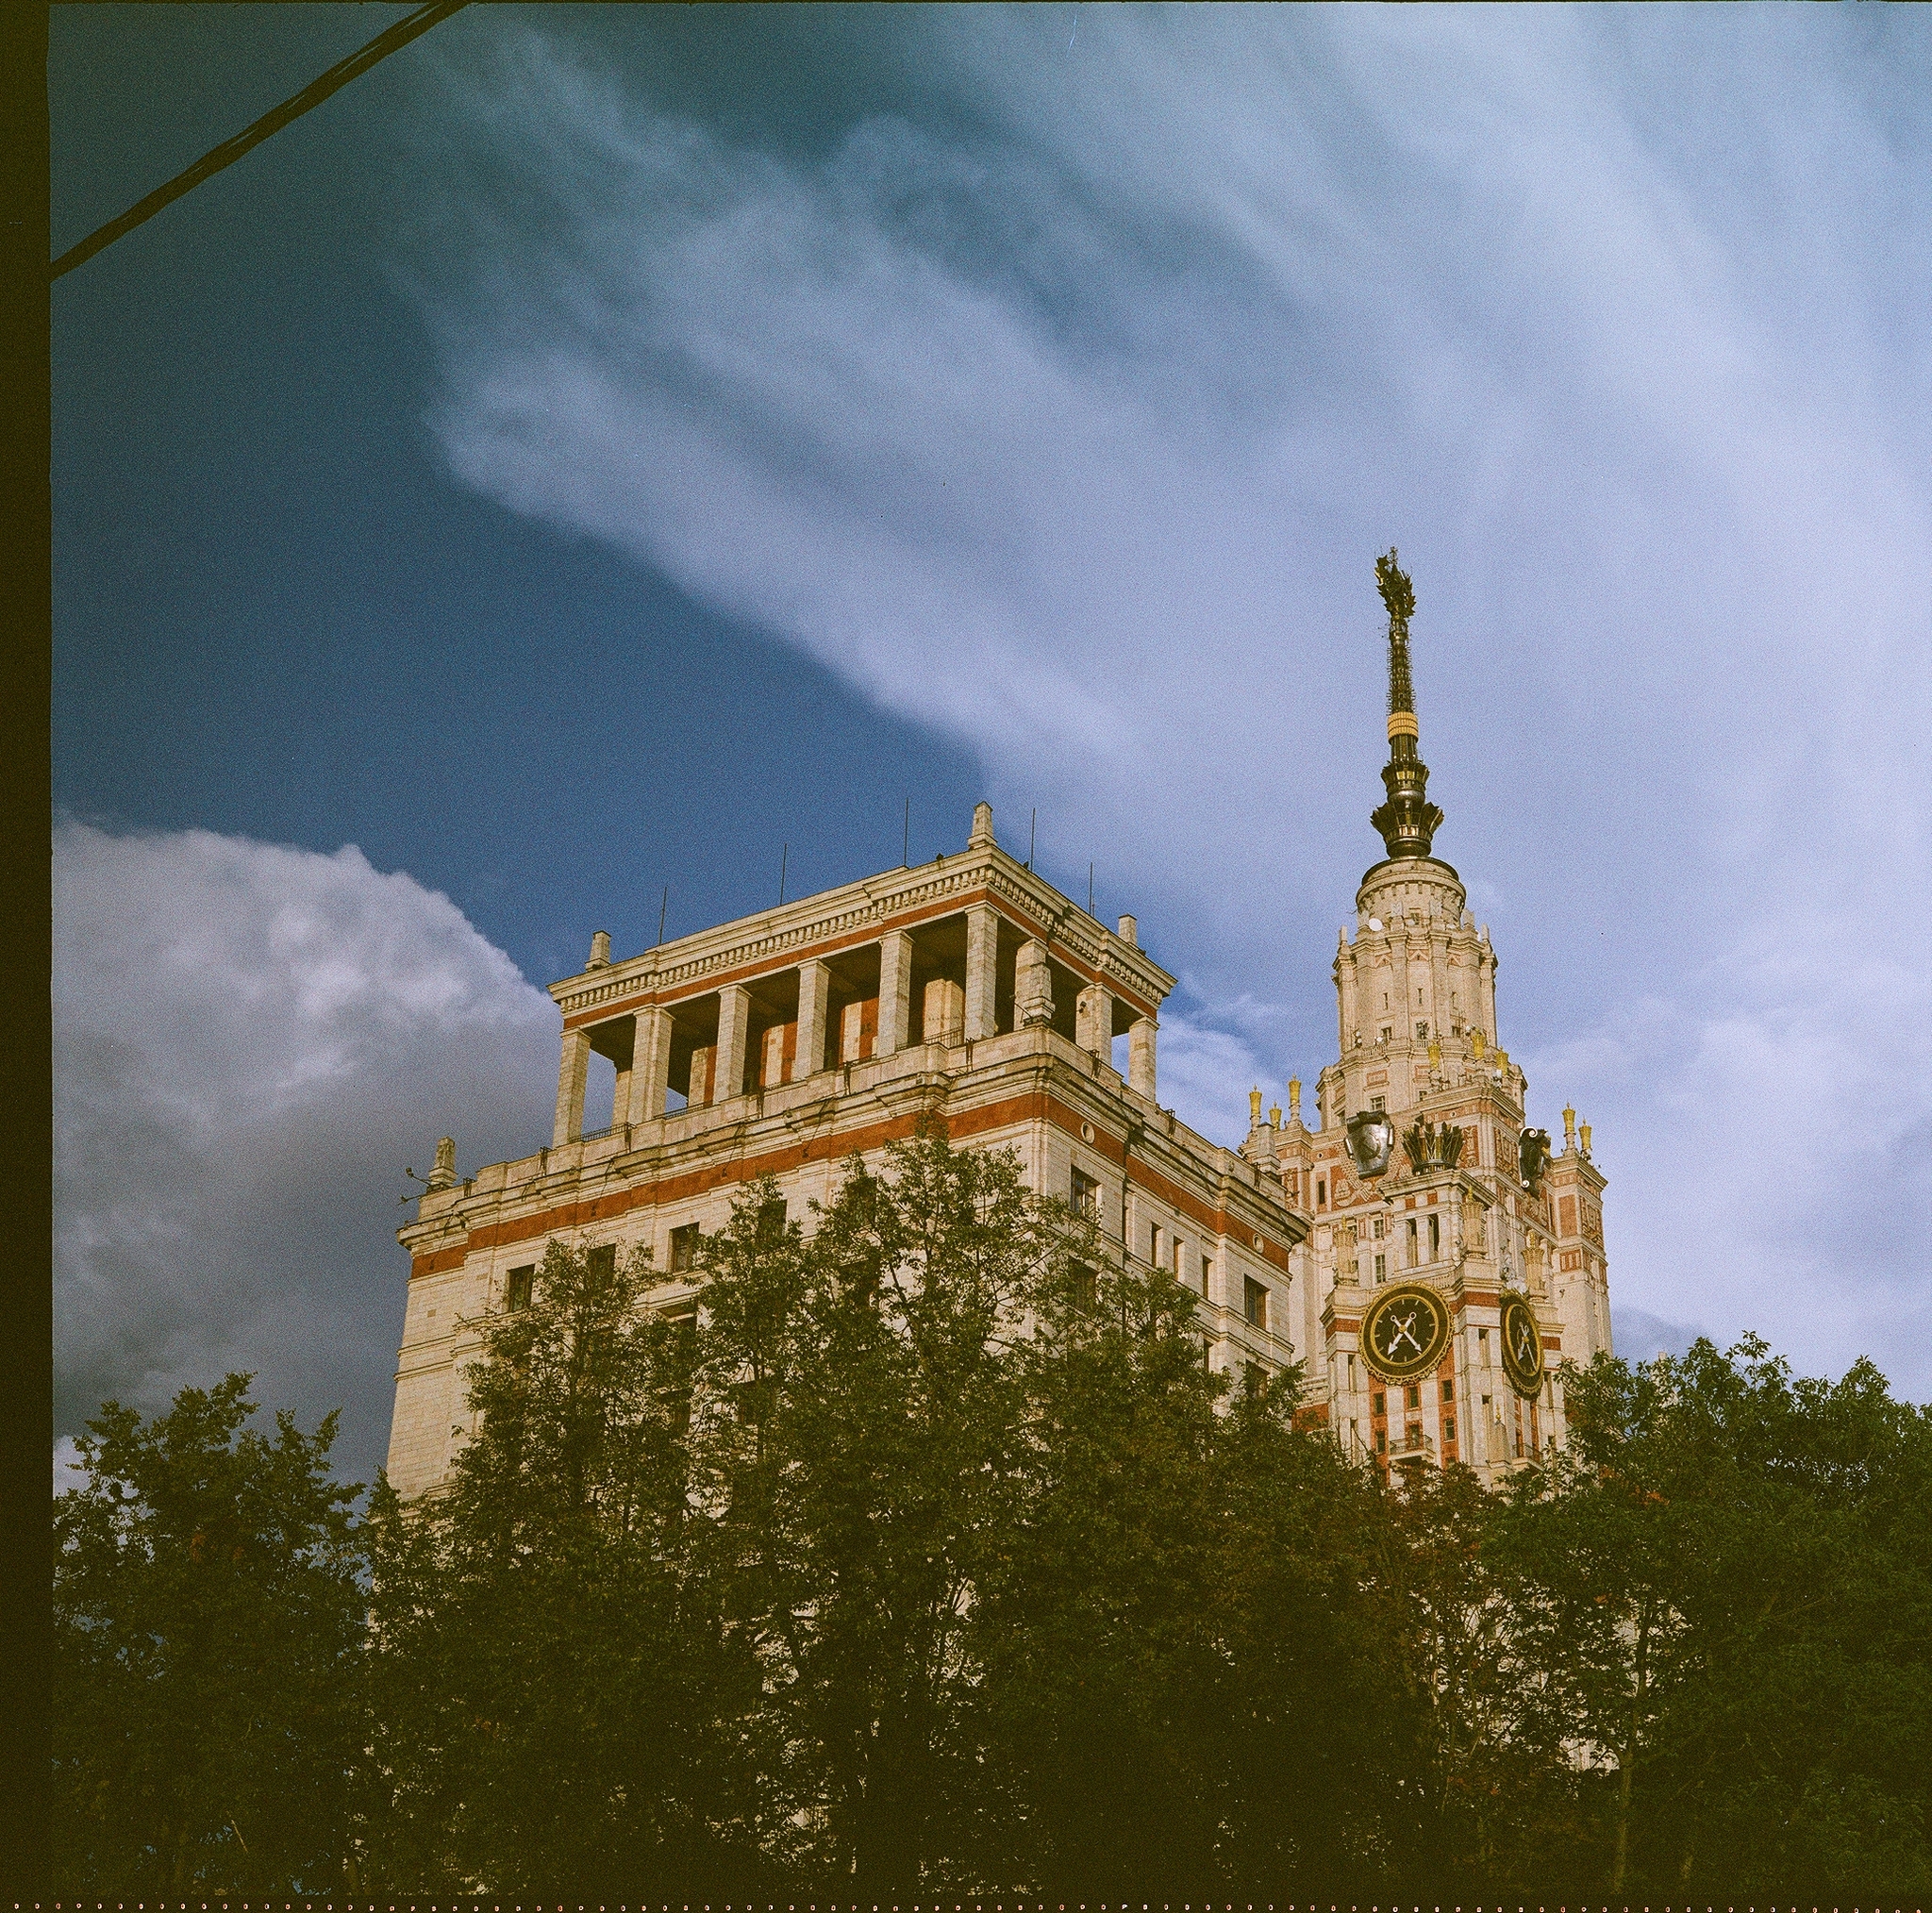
(1075, 438)
(250, 1042)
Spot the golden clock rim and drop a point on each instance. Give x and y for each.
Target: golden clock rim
(1439, 1340)
(1531, 1386)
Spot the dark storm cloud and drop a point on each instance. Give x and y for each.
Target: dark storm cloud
(251, 1044)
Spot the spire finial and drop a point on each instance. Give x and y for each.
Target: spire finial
(1407, 820)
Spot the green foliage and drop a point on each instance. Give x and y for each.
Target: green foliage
(207, 1675)
(563, 1687)
(1723, 1586)
(926, 1555)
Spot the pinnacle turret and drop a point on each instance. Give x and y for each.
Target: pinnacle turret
(1407, 820)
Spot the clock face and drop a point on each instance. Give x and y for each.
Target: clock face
(1522, 1346)
(1405, 1332)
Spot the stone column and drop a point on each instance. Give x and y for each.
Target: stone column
(943, 1012)
(1348, 1008)
(815, 994)
(1093, 1021)
(1140, 1056)
(571, 1074)
(982, 972)
(734, 1019)
(895, 991)
(650, 1065)
(1032, 985)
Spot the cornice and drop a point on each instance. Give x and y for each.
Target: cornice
(1046, 1070)
(849, 916)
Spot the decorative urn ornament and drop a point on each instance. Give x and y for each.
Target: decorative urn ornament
(1370, 1142)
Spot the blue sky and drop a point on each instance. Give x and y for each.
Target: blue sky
(605, 449)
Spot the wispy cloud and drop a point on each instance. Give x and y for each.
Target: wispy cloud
(1073, 435)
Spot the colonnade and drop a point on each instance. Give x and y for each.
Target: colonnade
(952, 1012)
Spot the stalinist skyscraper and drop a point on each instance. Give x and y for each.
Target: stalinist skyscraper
(1453, 1260)
(1420, 1254)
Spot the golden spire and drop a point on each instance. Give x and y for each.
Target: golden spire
(1407, 820)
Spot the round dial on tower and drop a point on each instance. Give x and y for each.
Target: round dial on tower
(1405, 1332)
(1522, 1346)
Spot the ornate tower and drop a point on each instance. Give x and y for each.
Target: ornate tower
(1445, 1281)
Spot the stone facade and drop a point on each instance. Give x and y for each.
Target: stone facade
(1430, 1305)
(784, 1042)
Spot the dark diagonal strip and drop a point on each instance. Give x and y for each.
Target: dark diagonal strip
(229, 151)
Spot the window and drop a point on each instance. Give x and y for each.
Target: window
(1435, 1237)
(1378, 1403)
(1154, 1240)
(1253, 1376)
(1387, 1032)
(1381, 1441)
(1414, 1395)
(684, 1249)
(1378, 1102)
(772, 1223)
(1415, 1435)
(1255, 1299)
(600, 1264)
(1378, 1229)
(1085, 1285)
(1351, 1372)
(683, 1331)
(1482, 1346)
(1322, 1193)
(1086, 1195)
(1180, 1259)
(1381, 1268)
(517, 1290)
(1422, 1032)
(1412, 1256)
(1207, 1273)
(1448, 1390)
(1449, 1429)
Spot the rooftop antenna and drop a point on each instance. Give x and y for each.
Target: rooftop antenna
(906, 849)
(1089, 889)
(783, 856)
(1032, 831)
(663, 905)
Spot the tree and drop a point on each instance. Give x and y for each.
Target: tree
(1725, 1586)
(208, 1617)
(562, 1687)
(853, 1431)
